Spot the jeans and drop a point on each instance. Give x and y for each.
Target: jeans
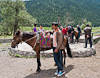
(79, 35)
(89, 42)
(72, 37)
(58, 58)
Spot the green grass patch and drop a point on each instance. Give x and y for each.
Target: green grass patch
(29, 29)
(43, 57)
(7, 36)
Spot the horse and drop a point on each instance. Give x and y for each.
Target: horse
(31, 40)
(76, 36)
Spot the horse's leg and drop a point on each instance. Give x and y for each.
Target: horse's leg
(38, 61)
(64, 57)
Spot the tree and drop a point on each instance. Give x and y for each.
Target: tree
(84, 24)
(68, 20)
(14, 15)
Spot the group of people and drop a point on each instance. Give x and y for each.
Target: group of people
(58, 42)
(69, 32)
(40, 30)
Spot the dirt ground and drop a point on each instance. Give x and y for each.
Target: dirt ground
(11, 67)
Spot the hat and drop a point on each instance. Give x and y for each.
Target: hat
(87, 24)
(69, 26)
(77, 25)
(55, 23)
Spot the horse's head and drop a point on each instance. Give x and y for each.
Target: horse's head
(16, 39)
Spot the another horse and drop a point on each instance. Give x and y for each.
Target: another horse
(76, 36)
(31, 40)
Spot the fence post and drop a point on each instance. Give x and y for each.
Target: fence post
(92, 39)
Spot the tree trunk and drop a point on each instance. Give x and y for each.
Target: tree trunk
(16, 19)
(15, 29)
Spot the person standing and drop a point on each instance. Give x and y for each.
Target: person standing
(72, 34)
(34, 29)
(41, 29)
(87, 32)
(58, 46)
(79, 30)
(69, 33)
(64, 31)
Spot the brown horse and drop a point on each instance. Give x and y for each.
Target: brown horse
(76, 36)
(31, 40)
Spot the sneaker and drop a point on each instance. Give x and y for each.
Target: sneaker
(56, 73)
(61, 73)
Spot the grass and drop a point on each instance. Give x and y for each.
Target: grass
(29, 29)
(19, 56)
(6, 36)
(1, 44)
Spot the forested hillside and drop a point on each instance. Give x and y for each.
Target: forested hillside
(47, 10)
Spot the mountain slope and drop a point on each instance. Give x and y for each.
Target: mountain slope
(47, 10)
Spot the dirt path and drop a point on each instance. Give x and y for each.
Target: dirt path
(11, 67)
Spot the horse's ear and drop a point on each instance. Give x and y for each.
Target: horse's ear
(18, 32)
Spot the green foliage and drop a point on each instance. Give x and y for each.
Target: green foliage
(47, 10)
(17, 55)
(21, 56)
(84, 24)
(14, 15)
(10, 53)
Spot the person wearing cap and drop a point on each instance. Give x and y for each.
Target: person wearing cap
(69, 33)
(87, 32)
(34, 29)
(58, 46)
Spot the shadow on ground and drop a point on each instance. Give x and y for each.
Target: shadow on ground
(50, 73)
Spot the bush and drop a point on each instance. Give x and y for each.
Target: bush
(84, 24)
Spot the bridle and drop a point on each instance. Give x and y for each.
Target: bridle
(20, 39)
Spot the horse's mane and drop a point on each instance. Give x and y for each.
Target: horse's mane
(28, 34)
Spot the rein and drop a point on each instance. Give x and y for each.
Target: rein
(20, 38)
(30, 38)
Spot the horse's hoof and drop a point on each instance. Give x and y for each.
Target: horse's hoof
(38, 70)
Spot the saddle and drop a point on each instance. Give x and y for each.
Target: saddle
(45, 40)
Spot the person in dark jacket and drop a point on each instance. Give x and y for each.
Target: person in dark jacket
(79, 30)
(69, 33)
(72, 34)
(87, 31)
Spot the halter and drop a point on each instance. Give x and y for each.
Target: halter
(20, 38)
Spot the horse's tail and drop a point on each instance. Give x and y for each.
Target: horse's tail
(64, 56)
(68, 49)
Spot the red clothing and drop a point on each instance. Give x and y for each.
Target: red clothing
(64, 31)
